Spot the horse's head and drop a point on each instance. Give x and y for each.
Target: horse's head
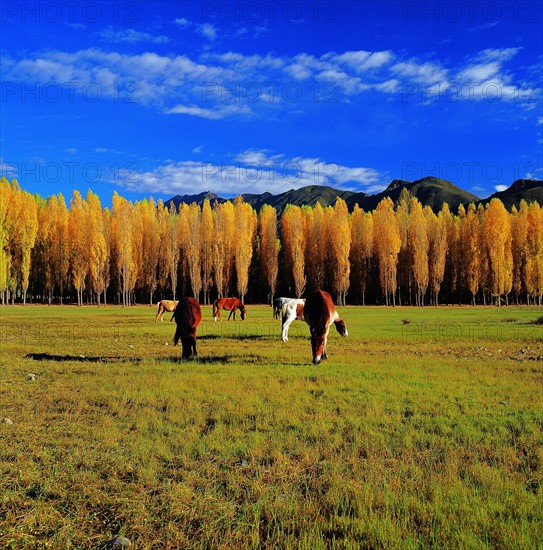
(243, 312)
(317, 345)
(341, 327)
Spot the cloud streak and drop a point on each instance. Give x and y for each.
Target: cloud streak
(215, 86)
(252, 171)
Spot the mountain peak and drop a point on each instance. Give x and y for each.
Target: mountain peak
(525, 184)
(397, 184)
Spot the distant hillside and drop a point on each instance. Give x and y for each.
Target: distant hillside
(308, 195)
(529, 190)
(430, 191)
(189, 199)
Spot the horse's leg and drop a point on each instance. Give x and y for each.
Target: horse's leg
(232, 312)
(284, 332)
(324, 356)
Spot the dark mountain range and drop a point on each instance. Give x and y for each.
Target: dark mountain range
(529, 190)
(308, 195)
(430, 191)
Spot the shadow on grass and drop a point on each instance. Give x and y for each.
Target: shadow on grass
(81, 358)
(211, 360)
(236, 337)
(247, 359)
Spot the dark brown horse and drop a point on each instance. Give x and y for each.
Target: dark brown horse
(187, 316)
(319, 314)
(164, 305)
(231, 305)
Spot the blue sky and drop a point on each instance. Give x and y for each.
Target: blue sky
(163, 98)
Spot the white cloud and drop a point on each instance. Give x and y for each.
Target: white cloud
(349, 84)
(130, 36)
(500, 188)
(258, 158)
(76, 26)
(182, 22)
(389, 86)
(7, 169)
(362, 60)
(479, 73)
(211, 114)
(298, 71)
(485, 78)
(482, 27)
(71, 150)
(423, 73)
(215, 86)
(254, 171)
(101, 150)
(497, 54)
(208, 31)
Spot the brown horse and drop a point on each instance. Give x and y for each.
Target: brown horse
(165, 305)
(231, 305)
(319, 314)
(187, 315)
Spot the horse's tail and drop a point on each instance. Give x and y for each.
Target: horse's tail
(157, 311)
(177, 335)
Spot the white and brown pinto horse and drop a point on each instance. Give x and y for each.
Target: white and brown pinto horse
(187, 315)
(278, 304)
(165, 305)
(319, 314)
(291, 311)
(231, 305)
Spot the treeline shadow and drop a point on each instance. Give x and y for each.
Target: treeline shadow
(81, 358)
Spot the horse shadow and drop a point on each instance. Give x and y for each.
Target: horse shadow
(81, 358)
(202, 360)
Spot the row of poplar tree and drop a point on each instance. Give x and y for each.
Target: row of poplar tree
(144, 251)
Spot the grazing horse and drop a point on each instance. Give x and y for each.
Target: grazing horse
(319, 314)
(231, 305)
(278, 304)
(187, 316)
(165, 305)
(291, 311)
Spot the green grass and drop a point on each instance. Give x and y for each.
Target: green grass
(426, 434)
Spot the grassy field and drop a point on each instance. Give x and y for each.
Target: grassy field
(424, 429)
